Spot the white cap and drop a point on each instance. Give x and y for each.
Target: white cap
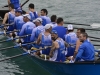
(37, 20)
(47, 26)
(70, 27)
(27, 15)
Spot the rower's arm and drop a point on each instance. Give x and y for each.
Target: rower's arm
(53, 48)
(66, 44)
(5, 18)
(39, 39)
(8, 2)
(32, 36)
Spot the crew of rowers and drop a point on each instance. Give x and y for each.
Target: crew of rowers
(44, 31)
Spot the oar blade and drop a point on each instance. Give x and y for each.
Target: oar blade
(95, 25)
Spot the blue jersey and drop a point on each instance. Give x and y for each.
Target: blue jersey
(35, 33)
(11, 18)
(61, 31)
(33, 15)
(27, 29)
(15, 3)
(85, 52)
(45, 20)
(59, 54)
(46, 41)
(71, 39)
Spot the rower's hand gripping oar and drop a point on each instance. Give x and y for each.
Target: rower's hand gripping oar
(1, 26)
(23, 54)
(11, 39)
(16, 46)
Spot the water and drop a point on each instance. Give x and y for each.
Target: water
(78, 11)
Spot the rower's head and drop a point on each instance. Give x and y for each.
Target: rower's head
(83, 37)
(70, 28)
(38, 21)
(60, 21)
(44, 12)
(26, 17)
(80, 30)
(48, 28)
(53, 18)
(11, 7)
(31, 6)
(54, 35)
(18, 12)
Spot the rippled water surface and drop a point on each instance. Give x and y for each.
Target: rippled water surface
(78, 11)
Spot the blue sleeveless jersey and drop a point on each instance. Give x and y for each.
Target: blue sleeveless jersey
(27, 29)
(11, 18)
(18, 23)
(46, 41)
(45, 20)
(35, 33)
(15, 3)
(71, 39)
(33, 15)
(59, 54)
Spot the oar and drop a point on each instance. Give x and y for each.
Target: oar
(16, 46)
(24, 3)
(11, 39)
(94, 37)
(96, 45)
(94, 25)
(4, 32)
(95, 40)
(1, 26)
(23, 54)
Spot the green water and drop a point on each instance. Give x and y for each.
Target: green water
(18, 66)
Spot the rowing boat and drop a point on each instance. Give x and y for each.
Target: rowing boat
(62, 68)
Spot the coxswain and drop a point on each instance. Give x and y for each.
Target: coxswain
(36, 31)
(32, 12)
(10, 16)
(45, 18)
(86, 49)
(57, 52)
(27, 28)
(53, 21)
(71, 39)
(59, 28)
(16, 3)
(44, 39)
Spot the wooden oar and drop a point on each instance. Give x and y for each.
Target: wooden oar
(23, 54)
(11, 39)
(16, 46)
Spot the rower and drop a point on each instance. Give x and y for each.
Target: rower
(45, 18)
(10, 16)
(27, 28)
(36, 31)
(57, 52)
(32, 12)
(86, 49)
(18, 20)
(71, 39)
(53, 21)
(15, 3)
(59, 28)
(45, 39)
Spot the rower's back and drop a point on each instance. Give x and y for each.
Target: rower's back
(71, 39)
(15, 3)
(46, 41)
(59, 53)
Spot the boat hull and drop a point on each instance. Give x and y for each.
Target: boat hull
(57, 68)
